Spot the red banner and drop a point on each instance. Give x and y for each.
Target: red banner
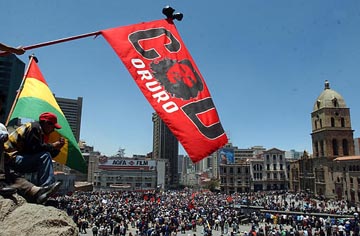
(164, 70)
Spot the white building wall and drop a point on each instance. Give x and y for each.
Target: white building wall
(357, 146)
(161, 163)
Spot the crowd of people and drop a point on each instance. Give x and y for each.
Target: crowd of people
(162, 213)
(188, 212)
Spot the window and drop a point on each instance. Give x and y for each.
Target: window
(268, 167)
(345, 147)
(332, 122)
(5, 63)
(335, 102)
(258, 176)
(257, 167)
(5, 75)
(274, 166)
(322, 148)
(274, 157)
(335, 147)
(342, 122)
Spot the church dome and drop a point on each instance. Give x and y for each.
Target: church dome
(329, 99)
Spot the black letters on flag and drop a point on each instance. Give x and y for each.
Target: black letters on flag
(167, 75)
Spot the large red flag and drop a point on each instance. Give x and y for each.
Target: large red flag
(164, 70)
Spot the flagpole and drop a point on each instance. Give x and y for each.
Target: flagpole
(59, 41)
(31, 57)
(167, 11)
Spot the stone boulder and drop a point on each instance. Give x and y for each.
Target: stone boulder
(17, 217)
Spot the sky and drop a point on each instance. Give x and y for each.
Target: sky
(264, 63)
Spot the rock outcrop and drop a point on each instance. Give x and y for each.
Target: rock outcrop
(17, 217)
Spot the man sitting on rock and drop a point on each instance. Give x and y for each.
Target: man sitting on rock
(27, 151)
(8, 187)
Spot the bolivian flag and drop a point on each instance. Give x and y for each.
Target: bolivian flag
(35, 98)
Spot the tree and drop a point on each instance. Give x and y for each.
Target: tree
(120, 152)
(212, 185)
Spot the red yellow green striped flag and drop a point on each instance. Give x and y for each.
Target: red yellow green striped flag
(35, 98)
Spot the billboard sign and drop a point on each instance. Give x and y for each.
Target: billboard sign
(226, 156)
(126, 164)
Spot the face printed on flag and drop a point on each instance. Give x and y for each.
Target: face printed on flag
(179, 79)
(165, 72)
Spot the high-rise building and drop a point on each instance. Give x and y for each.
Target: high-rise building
(292, 154)
(11, 75)
(72, 110)
(166, 146)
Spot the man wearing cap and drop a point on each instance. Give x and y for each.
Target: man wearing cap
(27, 151)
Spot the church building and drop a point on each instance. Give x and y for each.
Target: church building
(333, 171)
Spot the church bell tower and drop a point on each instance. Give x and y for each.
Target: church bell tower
(332, 135)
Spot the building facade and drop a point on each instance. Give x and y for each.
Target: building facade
(235, 177)
(166, 146)
(331, 135)
(275, 172)
(269, 171)
(72, 109)
(357, 146)
(11, 75)
(119, 174)
(333, 170)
